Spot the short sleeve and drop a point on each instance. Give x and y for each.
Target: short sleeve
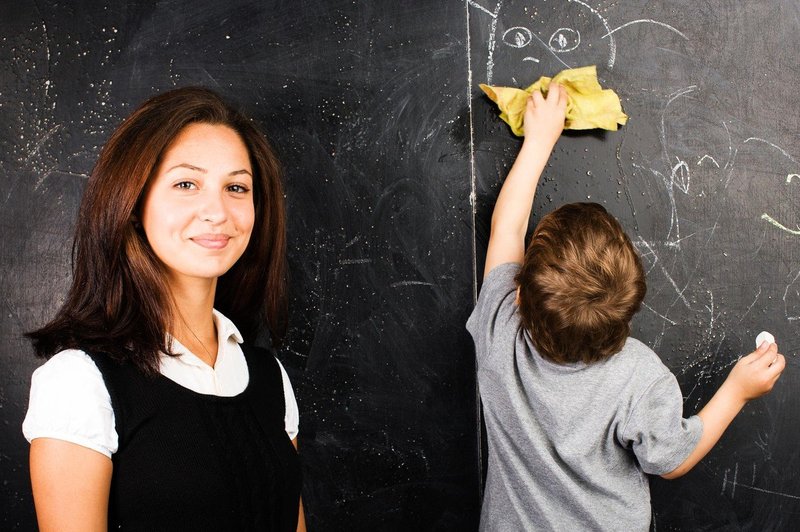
(656, 431)
(496, 306)
(292, 418)
(69, 401)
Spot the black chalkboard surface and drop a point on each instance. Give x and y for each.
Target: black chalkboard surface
(393, 160)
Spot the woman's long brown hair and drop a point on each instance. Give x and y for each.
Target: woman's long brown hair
(119, 303)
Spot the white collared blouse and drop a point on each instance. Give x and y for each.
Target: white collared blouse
(69, 400)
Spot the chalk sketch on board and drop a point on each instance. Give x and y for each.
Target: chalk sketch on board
(542, 35)
(744, 167)
(769, 219)
(647, 21)
(731, 484)
(549, 34)
(792, 292)
(700, 158)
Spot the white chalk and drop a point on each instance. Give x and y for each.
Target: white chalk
(764, 336)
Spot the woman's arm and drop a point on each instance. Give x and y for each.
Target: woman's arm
(70, 484)
(301, 516)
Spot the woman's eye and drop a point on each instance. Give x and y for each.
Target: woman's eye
(185, 185)
(238, 189)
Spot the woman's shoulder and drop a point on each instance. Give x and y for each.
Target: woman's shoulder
(68, 364)
(69, 380)
(69, 401)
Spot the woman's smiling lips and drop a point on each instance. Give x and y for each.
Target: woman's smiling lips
(211, 241)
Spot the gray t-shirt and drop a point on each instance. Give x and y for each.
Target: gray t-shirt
(569, 444)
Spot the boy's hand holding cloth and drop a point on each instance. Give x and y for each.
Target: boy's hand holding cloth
(589, 106)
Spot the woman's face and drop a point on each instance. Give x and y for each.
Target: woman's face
(198, 210)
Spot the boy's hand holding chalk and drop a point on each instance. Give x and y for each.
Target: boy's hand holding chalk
(755, 374)
(752, 376)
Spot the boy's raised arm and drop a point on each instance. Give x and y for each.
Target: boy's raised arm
(544, 122)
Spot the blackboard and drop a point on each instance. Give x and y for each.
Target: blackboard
(393, 160)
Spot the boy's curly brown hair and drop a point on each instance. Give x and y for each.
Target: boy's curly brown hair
(580, 284)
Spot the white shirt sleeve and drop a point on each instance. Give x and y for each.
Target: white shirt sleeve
(292, 418)
(69, 401)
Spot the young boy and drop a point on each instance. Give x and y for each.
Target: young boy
(577, 412)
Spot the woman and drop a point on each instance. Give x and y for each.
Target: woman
(149, 415)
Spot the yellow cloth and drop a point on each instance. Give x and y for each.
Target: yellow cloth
(589, 106)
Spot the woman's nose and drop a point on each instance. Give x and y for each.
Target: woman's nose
(212, 207)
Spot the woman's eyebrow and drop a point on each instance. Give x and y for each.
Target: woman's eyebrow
(189, 167)
(242, 171)
(204, 171)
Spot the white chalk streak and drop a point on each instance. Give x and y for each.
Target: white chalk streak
(648, 21)
(612, 44)
(779, 225)
(490, 59)
(648, 307)
(667, 275)
(472, 178)
(707, 156)
(674, 222)
(475, 4)
(774, 146)
(353, 241)
(410, 283)
(785, 293)
(751, 305)
(39, 144)
(730, 145)
(549, 49)
(762, 490)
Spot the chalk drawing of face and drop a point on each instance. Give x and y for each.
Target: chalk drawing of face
(531, 39)
(526, 39)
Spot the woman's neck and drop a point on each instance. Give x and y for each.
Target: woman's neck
(194, 320)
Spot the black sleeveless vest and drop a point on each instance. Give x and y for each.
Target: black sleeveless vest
(190, 461)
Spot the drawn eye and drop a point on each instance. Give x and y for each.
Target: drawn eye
(564, 40)
(517, 37)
